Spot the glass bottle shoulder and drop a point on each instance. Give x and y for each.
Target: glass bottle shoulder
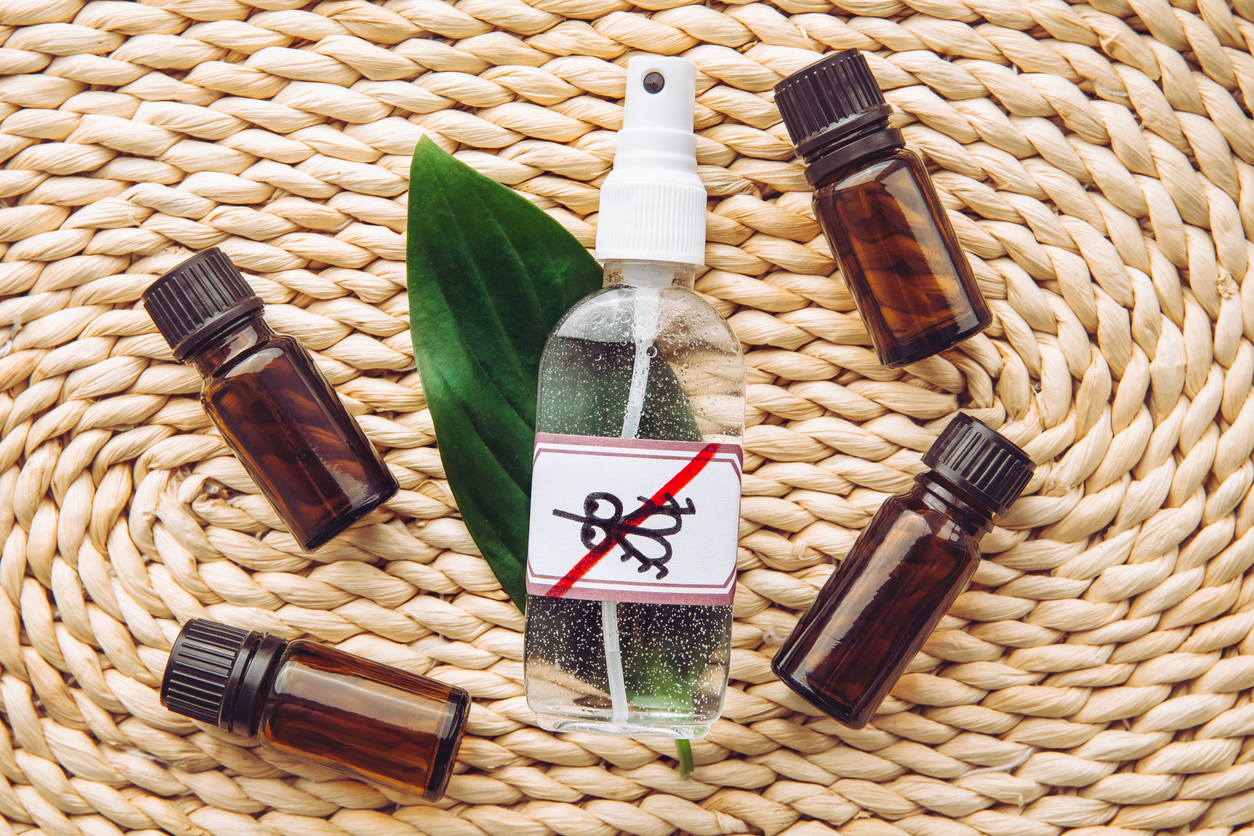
(270, 353)
(919, 515)
(662, 349)
(874, 168)
(609, 315)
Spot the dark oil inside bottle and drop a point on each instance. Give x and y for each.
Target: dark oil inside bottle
(666, 648)
(878, 608)
(283, 420)
(900, 256)
(363, 719)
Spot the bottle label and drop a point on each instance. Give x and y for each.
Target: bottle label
(634, 520)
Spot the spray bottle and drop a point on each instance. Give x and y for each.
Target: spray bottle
(635, 499)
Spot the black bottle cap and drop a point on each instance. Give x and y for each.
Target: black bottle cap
(829, 100)
(198, 298)
(219, 674)
(980, 462)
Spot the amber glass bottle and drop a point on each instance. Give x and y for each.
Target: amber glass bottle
(318, 704)
(878, 207)
(902, 574)
(273, 407)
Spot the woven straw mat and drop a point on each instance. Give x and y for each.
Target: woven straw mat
(1097, 162)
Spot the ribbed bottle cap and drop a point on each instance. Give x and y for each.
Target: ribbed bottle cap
(197, 298)
(980, 462)
(204, 665)
(220, 674)
(828, 99)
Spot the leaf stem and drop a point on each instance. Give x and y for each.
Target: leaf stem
(684, 748)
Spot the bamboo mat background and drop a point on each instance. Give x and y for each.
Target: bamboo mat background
(1097, 164)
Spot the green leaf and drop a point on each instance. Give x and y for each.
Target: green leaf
(490, 275)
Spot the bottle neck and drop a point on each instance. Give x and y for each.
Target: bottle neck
(870, 138)
(937, 492)
(657, 274)
(259, 660)
(239, 337)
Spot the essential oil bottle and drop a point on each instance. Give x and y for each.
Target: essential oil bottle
(877, 205)
(275, 410)
(320, 705)
(902, 574)
(635, 495)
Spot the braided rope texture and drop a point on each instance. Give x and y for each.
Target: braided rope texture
(1097, 162)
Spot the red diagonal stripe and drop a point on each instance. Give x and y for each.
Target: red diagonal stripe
(677, 483)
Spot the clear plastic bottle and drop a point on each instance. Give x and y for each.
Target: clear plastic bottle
(635, 497)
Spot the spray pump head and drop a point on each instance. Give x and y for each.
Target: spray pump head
(653, 202)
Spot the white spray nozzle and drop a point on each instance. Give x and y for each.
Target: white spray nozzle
(660, 94)
(653, 202)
